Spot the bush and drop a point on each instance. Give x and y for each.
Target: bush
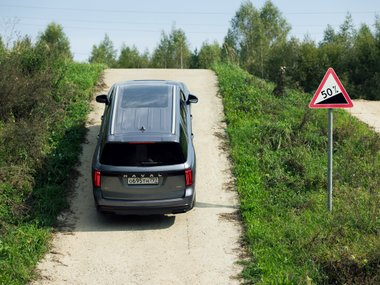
(45, 100)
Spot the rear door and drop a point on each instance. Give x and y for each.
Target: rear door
(137, 184)
(142, 171)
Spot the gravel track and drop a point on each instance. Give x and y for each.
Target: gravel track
(368, 112)
(199, 247)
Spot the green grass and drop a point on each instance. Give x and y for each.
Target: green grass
(279, 153)
(32, 197)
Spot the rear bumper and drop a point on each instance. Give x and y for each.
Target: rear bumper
(125, 207)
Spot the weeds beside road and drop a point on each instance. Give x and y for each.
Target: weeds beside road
(279, 153)
(44, 103)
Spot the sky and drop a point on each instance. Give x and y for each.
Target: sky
(141, 22)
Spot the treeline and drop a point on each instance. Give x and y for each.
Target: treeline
(258, 41)
(44, 99)
(173, 51)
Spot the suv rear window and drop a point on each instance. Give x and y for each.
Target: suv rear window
(142, 154)
(155, 96)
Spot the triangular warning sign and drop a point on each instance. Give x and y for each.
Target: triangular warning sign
(331, 93)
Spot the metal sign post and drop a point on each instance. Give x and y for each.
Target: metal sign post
(330, 94)
(330, 159)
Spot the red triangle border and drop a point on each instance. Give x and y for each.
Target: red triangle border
(320, 87)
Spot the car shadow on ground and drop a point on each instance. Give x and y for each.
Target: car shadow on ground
(111, 222)
(213, 205)
(94, 221)
(97, 222)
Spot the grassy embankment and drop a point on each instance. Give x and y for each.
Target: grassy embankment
(38, 152)
(279, 154)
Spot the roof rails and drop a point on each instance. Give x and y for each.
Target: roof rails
(144, 111)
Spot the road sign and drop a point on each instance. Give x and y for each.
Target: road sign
(331, 93)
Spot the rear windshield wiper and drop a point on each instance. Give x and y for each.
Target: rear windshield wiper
(150, 162)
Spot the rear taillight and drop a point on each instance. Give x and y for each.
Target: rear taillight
(97, 176)
(189, 177)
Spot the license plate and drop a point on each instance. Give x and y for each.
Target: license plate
(142, 180)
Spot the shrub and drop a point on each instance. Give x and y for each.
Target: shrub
(45, 100)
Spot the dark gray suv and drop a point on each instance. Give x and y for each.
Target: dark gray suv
(144, 161)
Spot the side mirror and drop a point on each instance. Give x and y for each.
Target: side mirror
(102, 99)
(192, 99)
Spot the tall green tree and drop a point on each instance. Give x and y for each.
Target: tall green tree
(130, 57)
(52, 49)
(283, 55)
(336, 47)
(332, 49)
(2, 47)
(365, 69)
(55, 41)
(230, 49)
(253, 33)
(180, 48)
(329, 35)
(310, 66)
(104, 52)
(209, 54)
(162, 54)
(173, 51)
(245, 36)
(336, 50)
(347, 31)
(377, 28)
(194, 61)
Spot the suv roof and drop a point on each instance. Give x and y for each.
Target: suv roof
(144, 110)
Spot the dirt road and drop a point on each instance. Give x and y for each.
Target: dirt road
(368, 112)
(199, 247)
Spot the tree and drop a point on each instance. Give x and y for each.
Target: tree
(209, 54)
(104, 53)
(347, 31)
(377, 29)
(27, 81)
(310, 66)
(180, 48)
(253, 33)
(230, 50)
(56, 42)
(172, 51)
(194, 61)
(365, 72)
(332, 48)
(329, 35)
(244, 35)
(162, 54)
(2, 47)
(131, 58)
(275, 27)
(282, 55)
(336, 49)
